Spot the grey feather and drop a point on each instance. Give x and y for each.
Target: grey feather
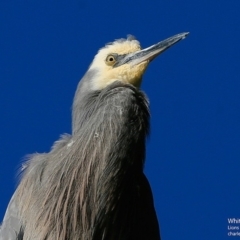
(66, 193)
(11, 226)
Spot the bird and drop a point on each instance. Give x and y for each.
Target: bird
(91, 184)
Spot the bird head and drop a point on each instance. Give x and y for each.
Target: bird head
(125, 61)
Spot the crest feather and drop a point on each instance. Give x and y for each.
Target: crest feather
(130, 38)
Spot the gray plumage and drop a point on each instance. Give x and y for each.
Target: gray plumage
(91, 185)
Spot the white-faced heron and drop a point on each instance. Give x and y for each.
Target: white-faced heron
(91, 185)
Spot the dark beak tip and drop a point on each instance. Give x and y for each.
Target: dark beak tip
(186, 34)
(183, 35)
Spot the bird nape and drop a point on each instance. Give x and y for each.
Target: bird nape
(91, 185)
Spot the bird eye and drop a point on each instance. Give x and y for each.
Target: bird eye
(110, 60)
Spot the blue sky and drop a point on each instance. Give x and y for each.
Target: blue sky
(193, 153)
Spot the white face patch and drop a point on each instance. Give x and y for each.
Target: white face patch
(126, 72)
(118, 47)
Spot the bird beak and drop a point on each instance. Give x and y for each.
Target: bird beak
(148, 54)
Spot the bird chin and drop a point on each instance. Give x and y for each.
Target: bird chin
(135, 75)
